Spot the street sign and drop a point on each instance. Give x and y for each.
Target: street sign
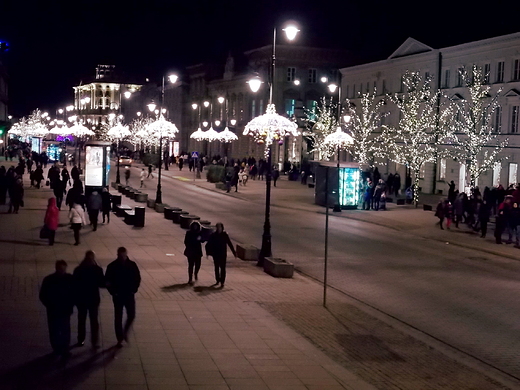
(194, 154)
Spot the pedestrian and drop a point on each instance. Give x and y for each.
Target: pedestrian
(217, 248)
(142, 176)
(127, 175)
(483, 217)
(16, 193)
(448, 213)
(451, 192)
(397, 184)
(193, 251)
(59, 191)
(56, 294)
(458, 208)
(502, 218)
(181, 163)
(74, 173)
(122, 279)
(379, 190)
(439, 212)
(51, 219)
(234, 177)
(150, 171)
(3, 185)
(88, 278)
(38, 176)
(94, 205)
(65, 177)
(276, 174)
(106, 204)
(514, 222)
(53, 175)
(367, 194)
(77, 219)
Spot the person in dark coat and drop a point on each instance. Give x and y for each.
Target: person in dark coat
(74, 173)
(122, 279)
(38, 176)
(53, 175)
(65, 177)
(52, 219)
(16, 193)
(181, 163)
(193, 252)
(276, 175)
(451, 192)
(106, 204)
(57, 295)
(397, 184)
(3, 185)
(503, 212)
(59, 191)
(483, 217)
(88, 278)
(217, 248)
(234, 178)
(439, 212)
(94, 205)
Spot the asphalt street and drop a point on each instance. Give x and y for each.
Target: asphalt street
(466, 298)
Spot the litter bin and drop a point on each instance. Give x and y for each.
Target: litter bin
(116, 201)
(139, 216)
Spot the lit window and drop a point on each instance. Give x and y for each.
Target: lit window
(442, 172)
(253, 108)
(515, 110)
(290, 104)
(513, 173)
(460, 72)
(496, 174)
(311, 109)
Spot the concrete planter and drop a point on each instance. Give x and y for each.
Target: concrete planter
(278, 268)
(141, 198)
(221, 186)
(159, 207)
(187, 219)
(247, 252)
(150, 203)
(177, 216)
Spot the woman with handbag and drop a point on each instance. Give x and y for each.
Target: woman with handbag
(51, 221)
(77, 219)
(193, 252)
(217, 248)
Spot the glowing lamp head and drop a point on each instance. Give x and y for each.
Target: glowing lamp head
(217, 123)
(173, 78)
(255, 84)
(163, 110)
(296, 82)
(138, 113)
(151, 107)
(82, 101)
(111, 116)
(205, 124)
(221, 99)
(206, 104)
(332, 88)
(9, 117)
(324, 79)
(120, 116)
(156, 112)
(194, 106)
(127, 94)
(70, 108)
(87, 100)
(291, 32)
(45, 114)
(346, 118)
(233, 122)
(60, 111)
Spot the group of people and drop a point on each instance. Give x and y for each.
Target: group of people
(375, 190)
(11, 183)
(477, 209)
(61, 291)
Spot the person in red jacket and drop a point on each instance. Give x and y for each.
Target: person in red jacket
(52, 219)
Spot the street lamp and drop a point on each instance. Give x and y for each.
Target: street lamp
(266, 128)
(127, 94)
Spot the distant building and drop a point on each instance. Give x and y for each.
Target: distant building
(102, 95)
(499, 57)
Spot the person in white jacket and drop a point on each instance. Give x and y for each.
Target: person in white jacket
(77, 220)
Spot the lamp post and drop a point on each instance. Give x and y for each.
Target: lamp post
(267, 128)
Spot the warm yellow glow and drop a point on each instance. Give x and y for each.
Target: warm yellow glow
(296, 82)
(346, 118)
(217, 123)
(205, 124)
(324, 79)
(127, 94)
(60, 111)
(87, 100)
(70, 108)
(138, 113)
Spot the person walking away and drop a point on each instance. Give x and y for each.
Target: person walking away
(181, 163)
(106, 204)
(276, 175)
(193, 251)
(53, 175)
(483, 217)
(122, 279)
(52, 219)
(38, 176)
(439, 212)
(16, 193)
(56, 294)
(378, 192)
(65, 177)
(59, 191)
(150, 171)
(74, 173)
(142, 176)
(397, 184)
(448, 213)
(127, 175)
(77, 220)
(514, 222)
(94, 205)
(458, 209)
(502, 219)
(451, 192)
(217, 248)
(234, 177)
(88, 278)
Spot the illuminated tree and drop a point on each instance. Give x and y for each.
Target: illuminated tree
(415, 139)
(365, 121)
(319, 125)
(475, 140)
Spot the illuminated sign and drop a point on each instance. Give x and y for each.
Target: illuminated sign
(94, 166)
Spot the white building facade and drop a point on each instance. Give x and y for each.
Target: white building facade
(499, 58)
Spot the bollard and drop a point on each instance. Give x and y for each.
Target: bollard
(139, 216)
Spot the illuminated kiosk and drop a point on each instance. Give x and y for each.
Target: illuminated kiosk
(97, 165)
(344, 189)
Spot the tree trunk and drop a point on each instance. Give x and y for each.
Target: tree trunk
(416, 174)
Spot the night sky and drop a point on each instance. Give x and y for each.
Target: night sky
(56, 44)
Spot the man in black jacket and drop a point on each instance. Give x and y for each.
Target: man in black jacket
(122, 280)
(57, 296)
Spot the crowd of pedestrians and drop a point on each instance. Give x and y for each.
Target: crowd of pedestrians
(477, 209)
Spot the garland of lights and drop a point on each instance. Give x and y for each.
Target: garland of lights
(319, 125)
(227, 136)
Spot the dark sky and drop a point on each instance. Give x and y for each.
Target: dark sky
(55, 44)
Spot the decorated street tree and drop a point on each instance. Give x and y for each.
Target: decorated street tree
(319, 125)
(365, 121)
(140, 136)
(414, 141)
(476, 141)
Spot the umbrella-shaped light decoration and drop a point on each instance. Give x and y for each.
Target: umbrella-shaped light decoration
(60, 130)
(161, 128)
(19, 128)
(37, 130)
(339, 139)
(198, 135)
(80, 131)
(270, 126)
(210, 135)
(118, 132)
(227, 136)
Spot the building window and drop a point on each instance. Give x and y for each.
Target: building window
(497, 120)
(496, 174)
(460, 72)
(291, 74)
(447, 78)
(500, 72)
(513, 173)
(290, 104)
(375, 86)
(442, 171)
(487, 72)
(311, 109)
(253, 108)
(384, 87)
(516, 70)
(312, 75)
(261, 107)
(515, 110)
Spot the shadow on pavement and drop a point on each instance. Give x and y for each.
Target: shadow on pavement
(34, 243)
(174, 287)
(205, 290)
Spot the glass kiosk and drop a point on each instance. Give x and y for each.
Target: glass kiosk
(344, 185)
(97, 165)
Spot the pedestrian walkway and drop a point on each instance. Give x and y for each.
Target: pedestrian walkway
(257, 333)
